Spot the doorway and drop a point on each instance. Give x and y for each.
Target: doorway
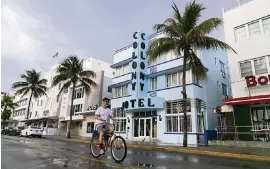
(145, 127)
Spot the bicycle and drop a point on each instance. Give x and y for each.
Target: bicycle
(111, 141)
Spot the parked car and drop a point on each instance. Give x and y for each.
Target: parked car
(32, 131)
(7, 131)
(16, 132)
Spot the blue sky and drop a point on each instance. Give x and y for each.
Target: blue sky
(34, 30)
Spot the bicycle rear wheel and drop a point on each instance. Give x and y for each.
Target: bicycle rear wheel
(95, 151)
(119, 149)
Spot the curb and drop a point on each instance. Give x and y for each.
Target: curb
(187, 151)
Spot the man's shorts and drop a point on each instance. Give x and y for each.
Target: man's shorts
(103, 126)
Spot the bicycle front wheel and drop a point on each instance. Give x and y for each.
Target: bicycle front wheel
(119, 149)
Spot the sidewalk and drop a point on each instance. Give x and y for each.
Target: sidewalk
(219, 151)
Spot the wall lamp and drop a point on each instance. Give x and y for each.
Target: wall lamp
(160, 117)
(128, 119)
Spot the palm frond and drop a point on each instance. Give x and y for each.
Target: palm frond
(88, 73)
(19, 85)
(212, 43)
(177, 14)
(169, 30)
(64, 87)
(59, 78)
(209, 25)
(42, 82)
(38, 92)
(23, 91)
(160, 46)
(191, 15)
(195, 64)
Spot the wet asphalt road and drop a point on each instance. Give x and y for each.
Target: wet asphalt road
(35, 153)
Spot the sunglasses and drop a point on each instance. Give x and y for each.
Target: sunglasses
(107, 101)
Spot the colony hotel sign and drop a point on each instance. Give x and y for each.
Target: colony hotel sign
(253, 81)
(139, 99)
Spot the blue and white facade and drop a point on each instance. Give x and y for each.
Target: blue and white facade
(147, 99)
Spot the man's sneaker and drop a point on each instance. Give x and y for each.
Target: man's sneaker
(101, 151)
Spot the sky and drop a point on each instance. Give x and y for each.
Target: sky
(32, 31)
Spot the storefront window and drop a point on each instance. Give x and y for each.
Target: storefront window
(176, 123)
(119, 120)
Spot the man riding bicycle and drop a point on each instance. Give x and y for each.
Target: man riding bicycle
(102, 115)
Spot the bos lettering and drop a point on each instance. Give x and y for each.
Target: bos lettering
(251, 81)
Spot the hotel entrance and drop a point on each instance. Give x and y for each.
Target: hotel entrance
(145, 124)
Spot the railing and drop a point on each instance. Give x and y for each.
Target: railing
(244, 133)
(239, 3)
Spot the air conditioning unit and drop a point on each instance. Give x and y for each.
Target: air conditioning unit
(223, 74)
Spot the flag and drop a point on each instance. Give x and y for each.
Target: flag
(56, 55)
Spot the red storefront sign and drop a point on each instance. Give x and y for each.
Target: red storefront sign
(261, 80)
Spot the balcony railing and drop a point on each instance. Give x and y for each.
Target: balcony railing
(239, 3)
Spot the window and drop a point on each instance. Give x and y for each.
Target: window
(176, 78)
(200, 124)
(90, 127)
(176, 123)
(170, 56)
(240, 33)
(176, 106)
(199, 106)
(46, 113)
(215, 61)
(119, 120)
(266, 25)
(246, 69)
(36, 114)
(222, 67)
(154, 83)
(260, 66)
(77, 108)
(224, 89)
(121, 91)
(38, 103)
(254, 28)
(109, 90)
(59, 86)
(121, 70)
(30, 114)
(78, 93)
(41, 102)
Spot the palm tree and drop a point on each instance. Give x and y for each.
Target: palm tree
(7, 105)
(70, 72)
(33, 84)
(185, 34)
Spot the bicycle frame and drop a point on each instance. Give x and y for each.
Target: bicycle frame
(106, 142)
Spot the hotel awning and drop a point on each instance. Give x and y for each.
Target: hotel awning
(247, 100)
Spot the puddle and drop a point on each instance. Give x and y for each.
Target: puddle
(61, 162)
(145, 165)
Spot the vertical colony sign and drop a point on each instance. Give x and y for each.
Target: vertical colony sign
(139, 85)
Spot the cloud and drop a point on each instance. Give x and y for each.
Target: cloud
(26, 38)
(28, 41)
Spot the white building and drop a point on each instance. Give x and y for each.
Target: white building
(247, 30)
(155, 112)
(53, 113)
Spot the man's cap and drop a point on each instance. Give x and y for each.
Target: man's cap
(106, 99)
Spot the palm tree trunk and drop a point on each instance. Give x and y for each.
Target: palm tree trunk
(185, 98)
(71, 112)
(4, 120)
(28, 107)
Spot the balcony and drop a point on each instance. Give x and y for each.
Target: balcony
(121, 78)
(165, 67)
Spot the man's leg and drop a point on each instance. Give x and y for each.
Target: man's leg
(100, 139)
